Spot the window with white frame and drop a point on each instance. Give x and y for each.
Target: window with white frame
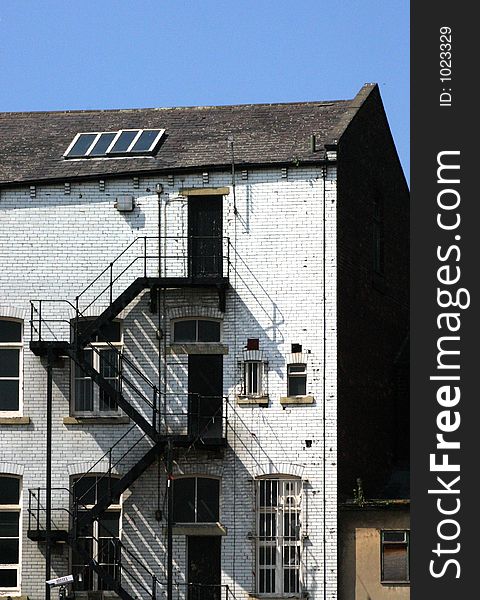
(99, 539)
(11, 366)
(195, 330)
(10, 534)
(254, 370)
(279, 541)
(395, 556)
(104, 355)
(253, 378)
(196, 500)
(297, 379)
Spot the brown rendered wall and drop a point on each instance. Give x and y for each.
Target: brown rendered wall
(359, 570)
(372, 312)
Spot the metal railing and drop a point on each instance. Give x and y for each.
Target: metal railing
(196, 591)
(123, 564)
(193, 257)
(126, 564)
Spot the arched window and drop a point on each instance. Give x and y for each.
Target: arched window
(279, 540)
(10, 534)
(196, 330)
(196, 500)
(11, 365)
(101, 538)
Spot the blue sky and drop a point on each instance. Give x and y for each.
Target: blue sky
(56, 54)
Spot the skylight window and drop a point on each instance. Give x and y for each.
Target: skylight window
(125, 142)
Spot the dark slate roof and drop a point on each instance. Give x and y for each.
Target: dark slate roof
(32, 144)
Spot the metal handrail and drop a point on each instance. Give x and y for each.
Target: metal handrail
(145, 256)
(125, 359)
(117, 541)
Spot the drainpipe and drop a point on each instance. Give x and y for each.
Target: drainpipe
(48, 493)
(169, 521)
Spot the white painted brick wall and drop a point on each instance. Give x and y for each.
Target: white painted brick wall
(53, 245)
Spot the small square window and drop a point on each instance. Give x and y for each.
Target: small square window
(297, 380)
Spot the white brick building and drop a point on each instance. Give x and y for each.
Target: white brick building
(217, 362)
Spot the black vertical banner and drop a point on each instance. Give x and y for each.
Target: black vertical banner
(445, 398)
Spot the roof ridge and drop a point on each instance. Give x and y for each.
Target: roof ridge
(162, 108)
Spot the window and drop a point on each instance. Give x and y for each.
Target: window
(196, 500)
(101, 538)
(378, 236)
(11, 357)
(88, 397)
(196, 330)
(279, 545)
(297, 379)
(114, 143)
(395, 556)
(253, 378)
(10, 491)
(253, 371)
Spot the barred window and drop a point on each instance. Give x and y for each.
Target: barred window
(279, 544)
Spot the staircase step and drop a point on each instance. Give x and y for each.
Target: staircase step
(120, 485)
(127, 408)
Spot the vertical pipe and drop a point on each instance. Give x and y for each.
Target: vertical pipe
(111, 282)
(39, 320)
(76, 322)
(324, 173)
(38, 508)
(154, 587)
(29, 509)
(169, 522)
(145, 256)
(48, 528)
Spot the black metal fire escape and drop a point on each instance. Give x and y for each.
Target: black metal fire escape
(61, 329)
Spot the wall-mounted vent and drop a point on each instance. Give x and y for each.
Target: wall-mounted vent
(125, 203)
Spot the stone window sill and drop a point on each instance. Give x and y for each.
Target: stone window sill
(286, 400)
(87, 595)
(198, 348)
(254, 596)
(199, 529)
(95, 420)
(253, 400)
(15, 421)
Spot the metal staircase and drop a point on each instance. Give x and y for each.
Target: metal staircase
(64, 329)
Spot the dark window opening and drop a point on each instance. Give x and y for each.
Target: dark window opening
(297, 380)
(9, 532)
(10, 364)
(196, 500)
(395, 556)
(196, 330)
